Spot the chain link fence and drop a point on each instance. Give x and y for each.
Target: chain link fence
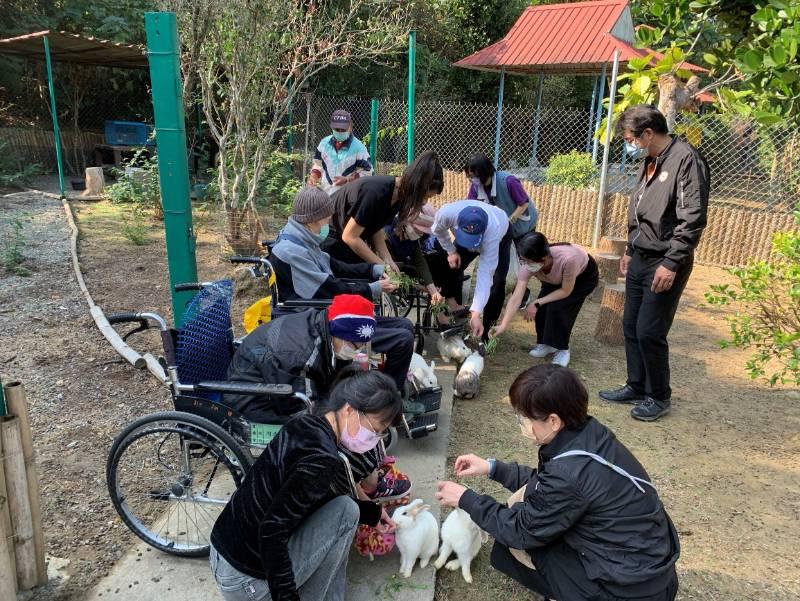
(755, 170)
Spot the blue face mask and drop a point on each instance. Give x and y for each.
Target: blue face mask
(635, 151)
(323, 232)
(341, 136)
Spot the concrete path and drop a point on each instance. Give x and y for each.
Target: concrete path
(145, 574)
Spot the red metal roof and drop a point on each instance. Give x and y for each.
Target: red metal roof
(562, 38)
(73, 48)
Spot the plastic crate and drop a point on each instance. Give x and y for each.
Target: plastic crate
(128, 133)
(263, 433)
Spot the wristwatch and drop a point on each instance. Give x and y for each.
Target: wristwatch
(537, 304)
(492, 466)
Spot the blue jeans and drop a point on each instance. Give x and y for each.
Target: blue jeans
(319, 548)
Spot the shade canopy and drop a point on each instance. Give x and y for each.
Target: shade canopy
(73, 48)
(578, 39)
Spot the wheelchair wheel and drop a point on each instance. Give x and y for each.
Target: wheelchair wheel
(389, 439)
(395, 305)
(169, 476)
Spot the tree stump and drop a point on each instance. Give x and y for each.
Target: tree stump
(609, 322)
(614, 245)
(95, 182)
(608, 271)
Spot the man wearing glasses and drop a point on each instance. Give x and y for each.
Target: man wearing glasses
(341, 157)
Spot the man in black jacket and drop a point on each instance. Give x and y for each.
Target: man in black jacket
(666, 215)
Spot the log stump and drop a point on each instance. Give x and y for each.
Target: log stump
(608, 272)
(95, 182)
(614, 245)
(609, 321)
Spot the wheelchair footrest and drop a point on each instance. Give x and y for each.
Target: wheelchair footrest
(431, 398)
(422, 425)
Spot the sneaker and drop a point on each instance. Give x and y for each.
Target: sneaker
(542, 350)
(651, 409)
(391, 490)
(625, 394)
(561, 358)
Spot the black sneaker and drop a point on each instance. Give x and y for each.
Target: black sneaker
(386, 491)
(651, 409)
(626, 394)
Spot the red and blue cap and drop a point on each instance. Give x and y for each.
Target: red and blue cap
(471, 225)
(351, 317)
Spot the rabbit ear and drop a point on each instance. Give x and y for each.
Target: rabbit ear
(424, 507)
(433, 365)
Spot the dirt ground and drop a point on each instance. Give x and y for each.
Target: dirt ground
(726, 461)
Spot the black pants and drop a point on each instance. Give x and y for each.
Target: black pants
(646, 323)
(451, 280)
(564, 578)
(394, 337)
(554, 321)
(338, 249)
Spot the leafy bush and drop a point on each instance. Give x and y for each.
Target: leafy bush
(573, 170)
(10, 172)
(767, 318)
(138, 185)
(13, 243)
(135, 228)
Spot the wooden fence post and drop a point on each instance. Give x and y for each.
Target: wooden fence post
(8, 571)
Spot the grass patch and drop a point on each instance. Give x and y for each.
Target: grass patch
(13, 243)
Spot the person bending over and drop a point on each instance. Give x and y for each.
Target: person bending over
(568, 275)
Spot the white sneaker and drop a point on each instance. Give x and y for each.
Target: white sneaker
(541, 350)
(561, 358)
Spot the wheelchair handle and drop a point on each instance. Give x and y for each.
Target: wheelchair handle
(191, 286)
(124, 317)
(253, 260)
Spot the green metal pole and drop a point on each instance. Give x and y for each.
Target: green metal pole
(3, 409)
(373, 133)
(163, 51)
(412, 69)
(56, 130)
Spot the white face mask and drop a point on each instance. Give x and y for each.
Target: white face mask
(347, 353)
(532, 267)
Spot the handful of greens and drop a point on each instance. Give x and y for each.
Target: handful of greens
(404, 283)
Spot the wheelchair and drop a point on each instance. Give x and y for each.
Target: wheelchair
(412, 427)
(169, 474)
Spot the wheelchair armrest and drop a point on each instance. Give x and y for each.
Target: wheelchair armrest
(246, 388)
(317, 303)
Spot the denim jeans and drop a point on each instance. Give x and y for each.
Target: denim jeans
(319, 548)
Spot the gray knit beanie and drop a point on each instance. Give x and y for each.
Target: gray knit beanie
(311, 204)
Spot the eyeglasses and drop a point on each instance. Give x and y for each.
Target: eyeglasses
(340, 130)
(371, 427)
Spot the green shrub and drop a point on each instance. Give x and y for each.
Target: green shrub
(135, 228)
(766, 300)
(140, 187)
(12, 239)
(573, 170)
(10, 172)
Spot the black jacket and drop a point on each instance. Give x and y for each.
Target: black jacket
(295, 349)
(667, 212)
(624, 537)
(289, 481)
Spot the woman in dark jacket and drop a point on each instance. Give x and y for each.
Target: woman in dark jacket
(364, 207)
(589, 525)
(283, 535)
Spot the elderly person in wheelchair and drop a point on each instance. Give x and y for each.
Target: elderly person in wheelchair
(306, 350)
(285, 534)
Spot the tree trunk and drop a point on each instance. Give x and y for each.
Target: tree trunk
(609, 322)
(615, 245)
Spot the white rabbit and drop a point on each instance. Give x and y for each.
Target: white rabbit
(462, 536)
(468, 378)
(421, 373)
(453, 347)
(417, 535)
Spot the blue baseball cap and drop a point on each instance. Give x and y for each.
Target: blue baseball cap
(471, 223)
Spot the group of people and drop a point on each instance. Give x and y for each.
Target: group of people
(587, 522)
